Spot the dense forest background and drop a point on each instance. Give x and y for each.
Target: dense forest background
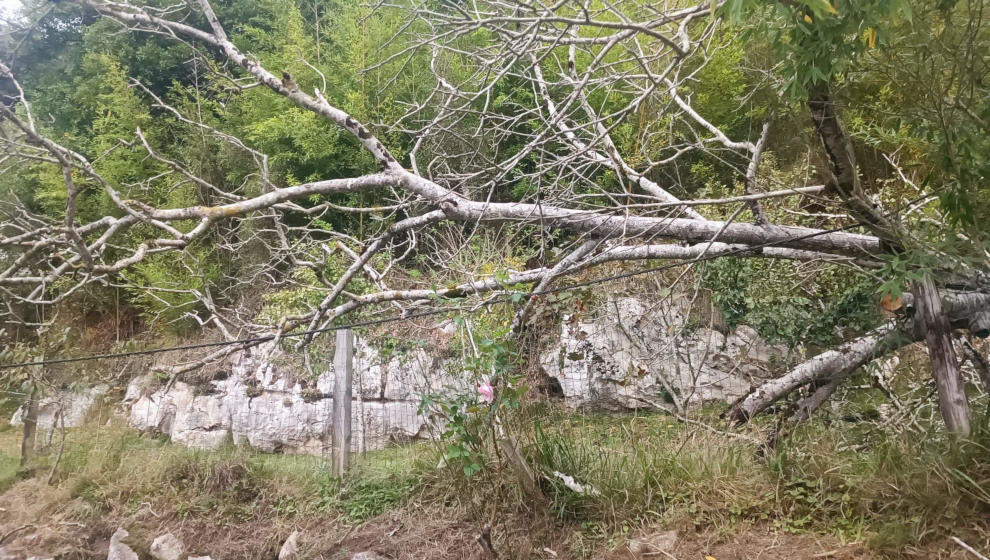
(814, 169)
(909, 81)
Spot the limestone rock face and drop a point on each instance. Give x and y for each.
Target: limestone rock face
(70, 407)
(628, 354)
(260, 406)
(632, 356)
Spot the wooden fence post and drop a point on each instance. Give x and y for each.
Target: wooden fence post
(932, 321)
(343, 366)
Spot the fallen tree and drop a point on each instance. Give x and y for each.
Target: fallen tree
(837, 363)
(568, 58)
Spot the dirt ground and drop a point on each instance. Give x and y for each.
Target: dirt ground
(39, 520)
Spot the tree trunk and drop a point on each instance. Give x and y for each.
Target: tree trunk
(930, 320)
(956, 309)
(934, 324)
(28, 450)
(842, 173)
(524, 473)
(808, 405)
(831, 364)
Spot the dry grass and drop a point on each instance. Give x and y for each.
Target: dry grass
(10, 440)
(901, 495)
(892, 496)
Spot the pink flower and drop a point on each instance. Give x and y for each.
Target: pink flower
(486, 391)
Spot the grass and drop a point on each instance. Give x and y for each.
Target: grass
(844, 479)
(112, 470)
(894, 490)
(855, 483)
(8, 470)
(639, 466)
(9, 452)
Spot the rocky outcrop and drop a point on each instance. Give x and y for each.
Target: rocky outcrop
(167, 547)
(626, 356)
(627, 353)
(630, 355)
(367, 555)
(290, 548)
(271, 410)
(68, 407)
(649, 546)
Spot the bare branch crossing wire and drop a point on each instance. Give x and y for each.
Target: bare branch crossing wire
(433, 312)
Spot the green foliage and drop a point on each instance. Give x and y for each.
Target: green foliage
(306, 292)
(751, 292)
(818, 39)
(166, 291)
(942, 130)
(90, 105)
(77, 71)
(17, 383)
(728, 280)
(470, 421)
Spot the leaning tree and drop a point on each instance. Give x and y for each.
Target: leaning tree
(523, 122)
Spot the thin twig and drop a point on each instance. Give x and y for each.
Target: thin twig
(21, 528)
(969, 548)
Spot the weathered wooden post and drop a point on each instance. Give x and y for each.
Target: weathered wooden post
(934, 323)
(343, 366)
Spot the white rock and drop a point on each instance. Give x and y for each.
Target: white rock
(576, 486)
(631, 356)
(258, 406)
(119, 550)
(652, 545)
(290, 548)
(167, 547)
(199, 558)
(70, 407)
(628, 354)
(367, 555)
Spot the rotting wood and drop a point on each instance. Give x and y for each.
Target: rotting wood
(934, 324)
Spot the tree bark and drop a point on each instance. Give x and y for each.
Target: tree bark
(957, 308)
(930, 318)
(842, 172)
(523, 472)
(831, 364)
(759, 217)
(933, 322)
(28, 450)
(808, 405)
